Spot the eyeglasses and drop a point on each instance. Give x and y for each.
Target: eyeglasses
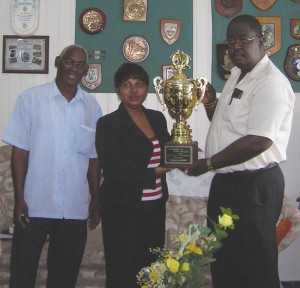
(242, 41)
(68, 63)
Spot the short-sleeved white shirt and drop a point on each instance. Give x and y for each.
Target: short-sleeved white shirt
(60, 138)
(265, 108)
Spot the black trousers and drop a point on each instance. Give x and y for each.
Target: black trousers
(128, 234)
(67, 239)
(249, 256)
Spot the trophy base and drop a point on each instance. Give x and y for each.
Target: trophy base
(180, 155)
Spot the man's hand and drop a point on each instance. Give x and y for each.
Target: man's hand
(94, 214)
(21, 217)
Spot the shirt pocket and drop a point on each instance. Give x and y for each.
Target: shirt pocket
(84, 139)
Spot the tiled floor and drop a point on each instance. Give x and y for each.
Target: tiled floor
(291, 284)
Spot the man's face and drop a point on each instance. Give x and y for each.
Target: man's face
(72, 67)
(244, 46)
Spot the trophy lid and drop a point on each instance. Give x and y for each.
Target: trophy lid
(180, 61)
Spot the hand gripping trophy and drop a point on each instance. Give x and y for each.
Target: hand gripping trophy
(180, 95)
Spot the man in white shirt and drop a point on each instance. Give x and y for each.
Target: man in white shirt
(55, 173)
(248, 137)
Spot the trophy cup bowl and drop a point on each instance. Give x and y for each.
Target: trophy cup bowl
(180, 95)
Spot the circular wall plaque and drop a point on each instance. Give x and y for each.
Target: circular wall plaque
(135, 49)
(135, 9)
(92, 20)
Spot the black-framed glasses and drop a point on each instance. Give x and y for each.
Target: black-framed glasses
(242, 41)
(68, 63)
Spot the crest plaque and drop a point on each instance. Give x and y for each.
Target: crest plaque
(295, 28)
(223, 61)
(170, 30)
(228, 8)
(93, 77)
(271, 28)
(263, 4)
(292, 62)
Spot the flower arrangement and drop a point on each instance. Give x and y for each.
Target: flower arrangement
(182, 266)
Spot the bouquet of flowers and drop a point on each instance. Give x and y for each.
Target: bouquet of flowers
(182, 266)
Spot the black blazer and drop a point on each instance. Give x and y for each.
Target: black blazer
(124, 152)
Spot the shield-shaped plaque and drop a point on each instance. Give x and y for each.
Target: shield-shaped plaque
(292, 62)
(271, 28)
(170, 30)
(93, 77)
(223, 61)
(263, 4)
(295, 28)
(24, 16)
(228, 8)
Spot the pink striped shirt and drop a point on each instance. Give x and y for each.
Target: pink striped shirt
(154, 194)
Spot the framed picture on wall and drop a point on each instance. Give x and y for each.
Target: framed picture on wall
(25, 54)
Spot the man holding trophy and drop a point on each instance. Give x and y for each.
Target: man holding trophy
(248, 137)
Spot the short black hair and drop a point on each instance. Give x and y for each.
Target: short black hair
(250, 20)
(130, 70)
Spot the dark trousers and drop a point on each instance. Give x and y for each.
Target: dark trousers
(128, 234)
(67, 240)
(249, 256)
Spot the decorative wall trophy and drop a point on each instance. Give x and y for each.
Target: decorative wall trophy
(180, 95)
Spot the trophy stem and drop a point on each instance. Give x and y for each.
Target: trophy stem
(181, 133)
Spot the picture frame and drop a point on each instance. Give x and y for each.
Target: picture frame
(25, 54)
(168, 71)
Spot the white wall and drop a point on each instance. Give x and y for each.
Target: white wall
(57, 19)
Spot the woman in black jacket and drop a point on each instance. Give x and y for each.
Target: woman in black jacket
(134, 191)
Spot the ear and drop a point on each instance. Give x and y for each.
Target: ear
(57, 61)
(261, 41)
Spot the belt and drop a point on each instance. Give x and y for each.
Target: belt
(246, 172)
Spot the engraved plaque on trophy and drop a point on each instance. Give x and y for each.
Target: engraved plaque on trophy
(180, 95)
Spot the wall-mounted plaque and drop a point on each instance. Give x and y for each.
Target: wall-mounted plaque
(263, 4)
(292, 62)
(228, 8)
(271, 28)
(93, 78)
(24, 16)
(92, 20)
(135, 10)
(295, 28)
(135, 49)
(170, 30)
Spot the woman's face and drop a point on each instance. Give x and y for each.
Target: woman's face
(132, 93)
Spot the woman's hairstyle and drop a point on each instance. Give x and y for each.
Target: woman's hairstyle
(130, 70)
(250, 20)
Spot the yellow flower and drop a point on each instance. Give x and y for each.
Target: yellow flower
(182, 237)
(193, 248)
(173, 265)
(154, 275)
(225, 220)
(185, 266)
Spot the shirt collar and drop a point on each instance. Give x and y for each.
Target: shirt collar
(255, 72)
(56, 92)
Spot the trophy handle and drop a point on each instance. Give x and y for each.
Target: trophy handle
(201, 85)
(157, 82)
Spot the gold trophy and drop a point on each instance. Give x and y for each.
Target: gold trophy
(180, 95)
